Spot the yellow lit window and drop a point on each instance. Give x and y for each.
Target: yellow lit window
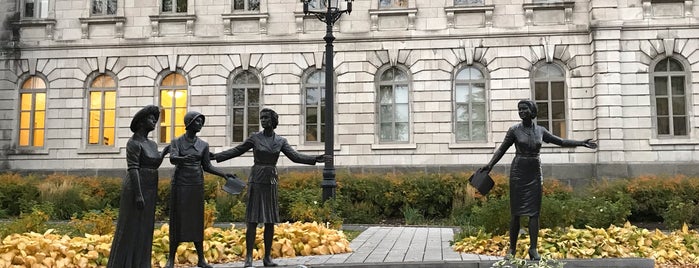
(173, 100)
(102, 111)
(32, 113)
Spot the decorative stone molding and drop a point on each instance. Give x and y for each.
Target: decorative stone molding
(229, 18)
(376, 13)
(118, 22)
(471, 52)
(648, 7)
(565, 6)
(155, 21)
(300, 19)
(486, 10)
(48, 24)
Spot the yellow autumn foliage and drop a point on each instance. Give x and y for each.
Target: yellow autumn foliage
(49, 250)
(676, 249)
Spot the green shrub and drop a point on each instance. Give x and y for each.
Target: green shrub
(17, 192)
(413, 216)
(162, 204)
(372, 192)
(651, 195)
(680, 212)
(601, 212)
(431, 194)
(237, 212)
(361, 212)
(34, 221)
(557, 211)
(99, 222)
(65, 194)
(493, 215)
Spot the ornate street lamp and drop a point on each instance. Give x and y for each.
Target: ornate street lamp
(328, 11)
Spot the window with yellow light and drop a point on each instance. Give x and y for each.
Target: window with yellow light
(32, 115)
(102, 111)
(173, 100)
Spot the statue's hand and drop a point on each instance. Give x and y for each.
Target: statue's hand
(165, 151)
(140, 203)
(589, 143)
(487, 168)
(323, 158)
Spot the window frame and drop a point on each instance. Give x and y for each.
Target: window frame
(486, 89)
(159, 88)
(320, 115)
(687, 96)
(246, 7)
(33, 91)
(566, 104)
(393, 5)
(482, 3)
(37, 11)
(105, 5)
(189, 7)
(88, 90)
(408, 83)
(246, 111)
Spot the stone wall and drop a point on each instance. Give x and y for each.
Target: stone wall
(605, 48)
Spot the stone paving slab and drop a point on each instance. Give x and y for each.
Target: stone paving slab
(418, 247)
(387, 245)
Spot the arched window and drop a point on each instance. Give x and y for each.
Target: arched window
(314, 106)
(32, 114)
(246, 105)
(469, 105)
(549, 94)
(670, 103)
(394, 112)
(102, 111)
(173, 100)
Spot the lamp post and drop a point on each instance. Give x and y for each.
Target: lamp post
(329, 15)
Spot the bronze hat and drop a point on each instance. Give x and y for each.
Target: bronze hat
(190, 116)
(143, 114)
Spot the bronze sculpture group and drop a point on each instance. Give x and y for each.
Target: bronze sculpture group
(133, 238)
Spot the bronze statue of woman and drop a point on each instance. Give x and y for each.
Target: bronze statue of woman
(263, 206)
(190, 155)
(525, 173)
(133, 238)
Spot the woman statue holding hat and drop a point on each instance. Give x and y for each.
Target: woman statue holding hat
(133, 238)
(525, 172)
(262, 205)
(190, 155)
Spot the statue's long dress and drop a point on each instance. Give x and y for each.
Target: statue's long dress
(263, 205)
(525, 173)
(187, 198)
(133, 238)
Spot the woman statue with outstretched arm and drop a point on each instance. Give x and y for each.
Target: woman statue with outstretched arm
(190, 155)
(525, 173)
(263, 206)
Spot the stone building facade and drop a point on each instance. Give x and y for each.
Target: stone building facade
(420, 84)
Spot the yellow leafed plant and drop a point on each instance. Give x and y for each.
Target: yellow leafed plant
(678, 248)
(50, 250)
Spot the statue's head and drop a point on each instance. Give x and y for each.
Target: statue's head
(139, 119)
(191, 116)
(273, 116)
(532, 107)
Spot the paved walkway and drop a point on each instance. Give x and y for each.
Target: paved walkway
(378, 245)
